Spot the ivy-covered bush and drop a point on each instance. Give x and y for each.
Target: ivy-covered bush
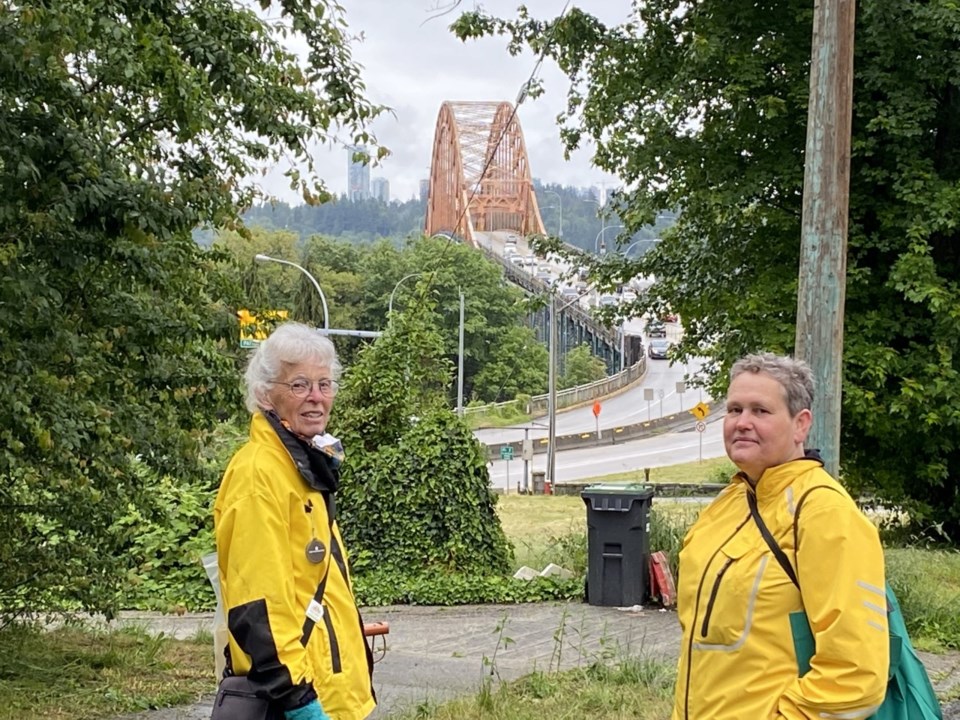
(416, 493)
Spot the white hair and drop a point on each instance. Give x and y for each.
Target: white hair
(289, 344)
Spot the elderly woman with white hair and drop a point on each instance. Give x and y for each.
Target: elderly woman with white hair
(295, 634)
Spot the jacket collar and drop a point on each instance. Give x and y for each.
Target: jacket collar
(313, 465)
(776, 479)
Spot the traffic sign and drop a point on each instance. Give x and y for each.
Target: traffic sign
(596, 409)
(701, 426)
(506, 452)
(700, 411)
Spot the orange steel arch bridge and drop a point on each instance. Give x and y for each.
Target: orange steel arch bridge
(480, 182)
(479, 173)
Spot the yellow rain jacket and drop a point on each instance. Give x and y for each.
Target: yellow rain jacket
(270, 507)
(737, 659)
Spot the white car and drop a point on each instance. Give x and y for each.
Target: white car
(518, 260)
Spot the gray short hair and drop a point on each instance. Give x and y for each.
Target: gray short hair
(289, 344)
(794, 376)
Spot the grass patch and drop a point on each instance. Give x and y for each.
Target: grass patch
(85, 674)
(712, 470)
(636, 688)
(927, 584)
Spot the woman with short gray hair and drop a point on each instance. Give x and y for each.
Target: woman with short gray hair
(746, 557)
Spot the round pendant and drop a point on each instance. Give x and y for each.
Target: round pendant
(316, 551)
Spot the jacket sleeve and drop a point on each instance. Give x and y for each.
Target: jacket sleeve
(841, 573)
(256, 566)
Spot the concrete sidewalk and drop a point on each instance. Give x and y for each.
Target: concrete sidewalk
(435, 653)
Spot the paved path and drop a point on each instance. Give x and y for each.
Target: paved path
(439, 652)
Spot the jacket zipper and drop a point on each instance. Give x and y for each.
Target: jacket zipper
(713, 597)
(686, 691)
(334, 643)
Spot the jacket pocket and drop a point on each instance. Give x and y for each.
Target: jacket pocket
(335, 664)
(733, 579)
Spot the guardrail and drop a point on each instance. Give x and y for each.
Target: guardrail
(575, 395)
(608, 436)
(659, 489)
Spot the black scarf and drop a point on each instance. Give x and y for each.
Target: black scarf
(315, 466)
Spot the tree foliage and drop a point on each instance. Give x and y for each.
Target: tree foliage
(124, 126)
(702, 106)
(416, 492)
(581, 367)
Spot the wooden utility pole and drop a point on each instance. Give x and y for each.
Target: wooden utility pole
(826, 200)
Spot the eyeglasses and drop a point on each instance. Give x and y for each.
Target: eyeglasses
(301, 388)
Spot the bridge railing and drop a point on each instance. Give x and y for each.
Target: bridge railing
(575, 395)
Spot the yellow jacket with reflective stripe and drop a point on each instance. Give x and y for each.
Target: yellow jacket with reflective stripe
(264, 517)
(737, 659)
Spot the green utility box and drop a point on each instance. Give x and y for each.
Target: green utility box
(618, 543)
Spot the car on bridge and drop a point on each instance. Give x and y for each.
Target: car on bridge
(655, 328)
(659, 348)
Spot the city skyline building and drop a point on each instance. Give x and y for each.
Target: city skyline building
(424, 190)
(358, 174)
(380, 189)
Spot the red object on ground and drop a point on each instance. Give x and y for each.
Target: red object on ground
(547, 488)
(662, 585)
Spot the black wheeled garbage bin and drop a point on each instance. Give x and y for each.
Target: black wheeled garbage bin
(539, 482)
(618, 543)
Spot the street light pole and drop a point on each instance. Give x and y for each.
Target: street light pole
(559, 200)
(326, 314)
(552, 385)
(390, 304)
(552, 394)
(460, 365)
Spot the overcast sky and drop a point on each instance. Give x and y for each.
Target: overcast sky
(413, 64)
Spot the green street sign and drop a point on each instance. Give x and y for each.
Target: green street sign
(506, 452)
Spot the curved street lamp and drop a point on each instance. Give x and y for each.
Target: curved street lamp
(637, 242)
(390, 304)
(326, 314)
(598, 247)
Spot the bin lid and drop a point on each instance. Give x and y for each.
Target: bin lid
(628, 489)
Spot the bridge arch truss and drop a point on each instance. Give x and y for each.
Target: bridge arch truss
(479, 173)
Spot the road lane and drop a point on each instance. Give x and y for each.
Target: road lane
(652, 452)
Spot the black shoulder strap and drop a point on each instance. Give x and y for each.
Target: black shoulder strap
(777, 551)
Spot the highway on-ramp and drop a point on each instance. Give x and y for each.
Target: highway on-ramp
(652, 452)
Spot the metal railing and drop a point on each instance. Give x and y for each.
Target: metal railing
(575, 395)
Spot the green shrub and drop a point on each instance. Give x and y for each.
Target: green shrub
(385, 587)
